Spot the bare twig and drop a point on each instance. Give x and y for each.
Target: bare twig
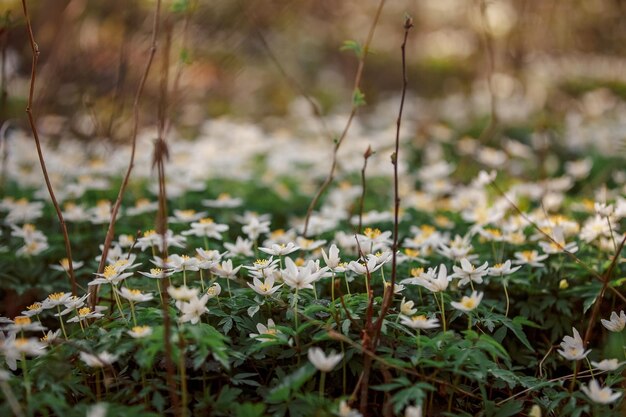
(598, 302)
(118, 202)
(492, 126)
(344, 133)
(366, 156)
(551, 239)
(161, 154)
(373, 330)
(31, 121)
(317, 111)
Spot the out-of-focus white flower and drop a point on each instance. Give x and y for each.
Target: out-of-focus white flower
(322, 362)
(600, 395)
(99, 360)
(419, 322)
(139, 332)
(270, 330)
(616, 322)
(468, 304)
(572, 347)
(607, 364)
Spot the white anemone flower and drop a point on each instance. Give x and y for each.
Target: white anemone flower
(600, 395)
(322, 362)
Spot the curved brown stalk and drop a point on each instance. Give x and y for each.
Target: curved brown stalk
(344, 133)
(373, 329)
(118, 202)
(42, 162)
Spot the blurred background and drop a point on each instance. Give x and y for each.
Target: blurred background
(543, 57)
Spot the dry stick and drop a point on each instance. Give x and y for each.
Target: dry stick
(551, 239)
(355, 106)
(388, 293)
(338, 336)
(93, 299)
(605, 284)
(366, 156)
(317, 111)
(33, 127)
(174, 94)
(161, 153)
(119, 81)
(490, 130)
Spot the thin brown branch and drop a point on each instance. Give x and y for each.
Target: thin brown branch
(42, 162)
(492, 126)
(388, 295)
(551, 239)
(596, 306)
(317, 111)
(353, 111)
(118, 202)
(366, 156)
(161, 154)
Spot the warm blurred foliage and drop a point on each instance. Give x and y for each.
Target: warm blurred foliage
(93, 54)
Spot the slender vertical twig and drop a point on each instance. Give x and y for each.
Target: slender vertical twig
(118, 202)
(388, 296)
(373, 329)
(317, 111)
(607, 278)
(487, 39)
(366, 156)
(161, 154)
(344, 133)
(31, 120)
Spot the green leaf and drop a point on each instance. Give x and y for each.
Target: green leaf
(358, 98)
(515, 326)
(249, 409)
(354, 46)
(292, 383)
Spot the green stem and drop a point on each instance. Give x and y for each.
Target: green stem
(132, 312)
(61, 321)
(443, 313)
(506, 295)
(26, 379)
(322, 382)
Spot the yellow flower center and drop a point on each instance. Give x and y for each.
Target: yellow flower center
(411, 252)
(421, 317)
(84, 311)
(149, 233)
(22, 341)
(223, 196)
(34, 306)
(260, 263)
(55, 296)
(468, 303)
(277, 233)
(416, 272)
(156, 271)
(22, 320)
(134, 292)
(427, 229)
(299, 261)
(109, 272)
(142, 202)
(206, 220)
(140, 329)
(372, 233)
(494, 232)
(186, 213)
